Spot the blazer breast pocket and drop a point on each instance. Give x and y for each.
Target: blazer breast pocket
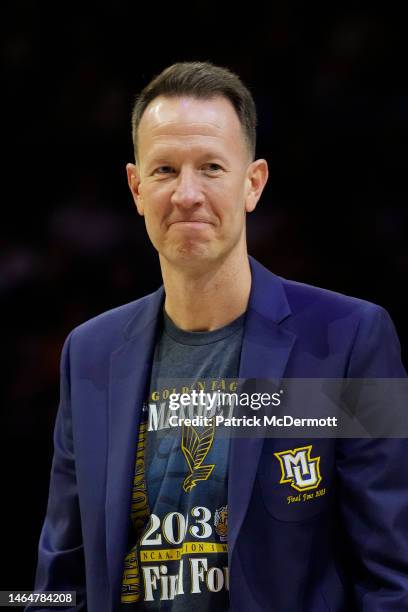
(295, 478)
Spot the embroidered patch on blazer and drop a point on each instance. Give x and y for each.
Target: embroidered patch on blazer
(299, 468)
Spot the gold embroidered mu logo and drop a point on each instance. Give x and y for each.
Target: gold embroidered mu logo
(299, 469)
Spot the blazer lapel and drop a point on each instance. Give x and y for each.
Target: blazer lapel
(265, 351)
(129, 378)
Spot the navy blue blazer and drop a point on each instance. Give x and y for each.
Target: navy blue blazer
(340, 552)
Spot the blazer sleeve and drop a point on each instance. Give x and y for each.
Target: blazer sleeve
(60, 554)
(373, 481)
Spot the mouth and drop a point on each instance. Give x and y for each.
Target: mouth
(194, 223)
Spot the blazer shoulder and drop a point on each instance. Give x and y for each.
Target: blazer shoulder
(362, 329)
(307, 298)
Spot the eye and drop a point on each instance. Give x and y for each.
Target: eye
(212, 167)
(164, 170)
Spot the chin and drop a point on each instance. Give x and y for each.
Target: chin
(192, 248)
(190, 255)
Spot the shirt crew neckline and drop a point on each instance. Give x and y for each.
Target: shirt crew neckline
(198, 338)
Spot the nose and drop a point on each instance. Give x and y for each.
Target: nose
(188, 189)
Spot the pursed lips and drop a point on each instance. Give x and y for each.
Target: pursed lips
(190, 222)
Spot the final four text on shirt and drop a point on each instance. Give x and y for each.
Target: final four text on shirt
(156, 579)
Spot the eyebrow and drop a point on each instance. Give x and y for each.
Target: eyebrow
(168, 158)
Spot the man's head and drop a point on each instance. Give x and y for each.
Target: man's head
(195, 179)
(203, 81)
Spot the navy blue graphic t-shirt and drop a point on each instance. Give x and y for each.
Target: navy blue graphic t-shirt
(178, 540)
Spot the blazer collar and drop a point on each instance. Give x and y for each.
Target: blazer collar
(266, 348)
(129, 377)
(268, 296)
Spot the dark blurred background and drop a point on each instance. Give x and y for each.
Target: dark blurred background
(333, 116)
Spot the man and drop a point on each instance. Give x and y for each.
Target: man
(140, 520)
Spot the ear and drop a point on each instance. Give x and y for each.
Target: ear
(133, 177)
(257, 175)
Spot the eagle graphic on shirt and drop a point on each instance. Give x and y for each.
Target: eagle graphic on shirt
(195, 447)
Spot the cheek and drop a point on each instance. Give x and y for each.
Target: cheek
(156, 204)
(152, 220)
(234, 207)
(229, 199)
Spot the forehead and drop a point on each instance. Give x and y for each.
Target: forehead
(186, 120)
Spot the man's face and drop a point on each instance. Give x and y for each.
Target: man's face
(194, 181)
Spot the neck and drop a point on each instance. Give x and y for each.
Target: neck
(208, 298)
